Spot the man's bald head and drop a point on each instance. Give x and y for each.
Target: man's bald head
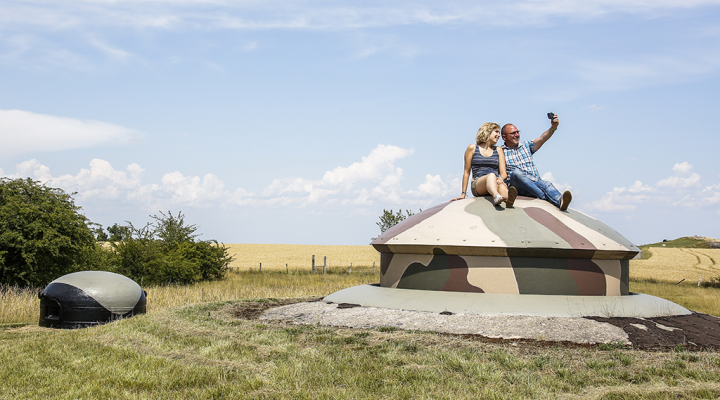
(511, 135)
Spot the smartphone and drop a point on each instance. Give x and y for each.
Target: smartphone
(551, 115)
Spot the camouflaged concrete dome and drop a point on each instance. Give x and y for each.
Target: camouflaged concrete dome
(471, 246)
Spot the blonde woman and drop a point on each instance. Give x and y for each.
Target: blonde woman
(488, 167)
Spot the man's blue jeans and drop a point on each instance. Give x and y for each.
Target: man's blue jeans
(541, 189)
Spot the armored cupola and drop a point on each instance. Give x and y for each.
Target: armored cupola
(470, 245)
(88, 298)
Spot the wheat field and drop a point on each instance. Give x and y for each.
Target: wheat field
(299, 257)
(18, 305)
(676, 264)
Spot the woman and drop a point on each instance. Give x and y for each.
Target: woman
(488, 167)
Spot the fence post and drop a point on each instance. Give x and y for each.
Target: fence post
(287, 271)
(350, 272)
(260, 267)
(699, 279)
(373, 267)
(313, 264)
(324, 264)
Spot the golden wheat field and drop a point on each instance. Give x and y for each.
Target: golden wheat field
(676, 264)
(299, 257)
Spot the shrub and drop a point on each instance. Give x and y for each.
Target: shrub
(167, 251)
(42, 234)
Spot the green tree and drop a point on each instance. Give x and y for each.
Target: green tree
(43, 235)
(167, 251)
(116, 232)
(389, 219)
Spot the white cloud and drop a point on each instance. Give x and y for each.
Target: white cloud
(374, 179)
(622, 199)
(23, 132)
(682, 168)
(315, 14)
(109, 50)
(548, 176)
(627, 198)
(684, 199)
(433, 186)
(379, 162)
(680, 182)
(594, 107)
(103, 183)
(638, 187)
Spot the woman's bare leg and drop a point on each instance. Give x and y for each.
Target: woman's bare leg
(482, 188)
(490, 184)
(503, 190)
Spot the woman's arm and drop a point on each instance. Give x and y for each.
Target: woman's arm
(501, 163)
(466, 171)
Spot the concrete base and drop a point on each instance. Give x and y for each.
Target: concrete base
(634, 305)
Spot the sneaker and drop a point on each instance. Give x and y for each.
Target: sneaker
(498, 199)
(512, 195)
(565, 200)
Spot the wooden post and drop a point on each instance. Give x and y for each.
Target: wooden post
(313, 264)
(373, 267)
(324, 264)
(287, 271)
(260, 267)
(350, 272)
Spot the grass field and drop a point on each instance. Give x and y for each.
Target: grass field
(203, 351)
(191, 345)
(675, 264)
(296, 256)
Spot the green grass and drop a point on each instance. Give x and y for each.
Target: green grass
(683, 242)
(687, 294)
(204, 352)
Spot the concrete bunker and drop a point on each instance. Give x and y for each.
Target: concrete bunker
(468, 256)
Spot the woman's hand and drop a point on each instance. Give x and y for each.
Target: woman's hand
(462, 196)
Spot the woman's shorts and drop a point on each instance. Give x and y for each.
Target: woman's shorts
(472, 187)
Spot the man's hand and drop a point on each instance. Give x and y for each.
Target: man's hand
(537, 143)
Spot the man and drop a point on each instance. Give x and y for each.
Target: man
(521, 170)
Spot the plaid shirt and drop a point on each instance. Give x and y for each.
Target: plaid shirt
(521, 158)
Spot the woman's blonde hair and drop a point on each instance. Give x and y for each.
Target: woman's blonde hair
(484, 132)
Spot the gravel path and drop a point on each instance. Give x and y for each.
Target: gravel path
(577, 330)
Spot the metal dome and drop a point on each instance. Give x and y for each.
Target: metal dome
(90, 298)
(472, 246)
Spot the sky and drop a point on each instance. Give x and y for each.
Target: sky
(299, 122)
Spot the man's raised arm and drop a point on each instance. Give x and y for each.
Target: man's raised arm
(537, 143)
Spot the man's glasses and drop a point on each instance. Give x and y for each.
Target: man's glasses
(513, 133)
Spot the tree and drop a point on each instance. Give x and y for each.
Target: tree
(167, 251)
(43, 235)
(117, 232)
(389, 219)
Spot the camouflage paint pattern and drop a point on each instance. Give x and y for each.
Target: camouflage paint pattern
(533, 228)
(472, 246)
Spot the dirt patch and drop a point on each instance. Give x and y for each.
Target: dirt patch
(696, 332)
(254, 309)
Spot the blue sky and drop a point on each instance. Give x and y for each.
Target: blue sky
(299, 122)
